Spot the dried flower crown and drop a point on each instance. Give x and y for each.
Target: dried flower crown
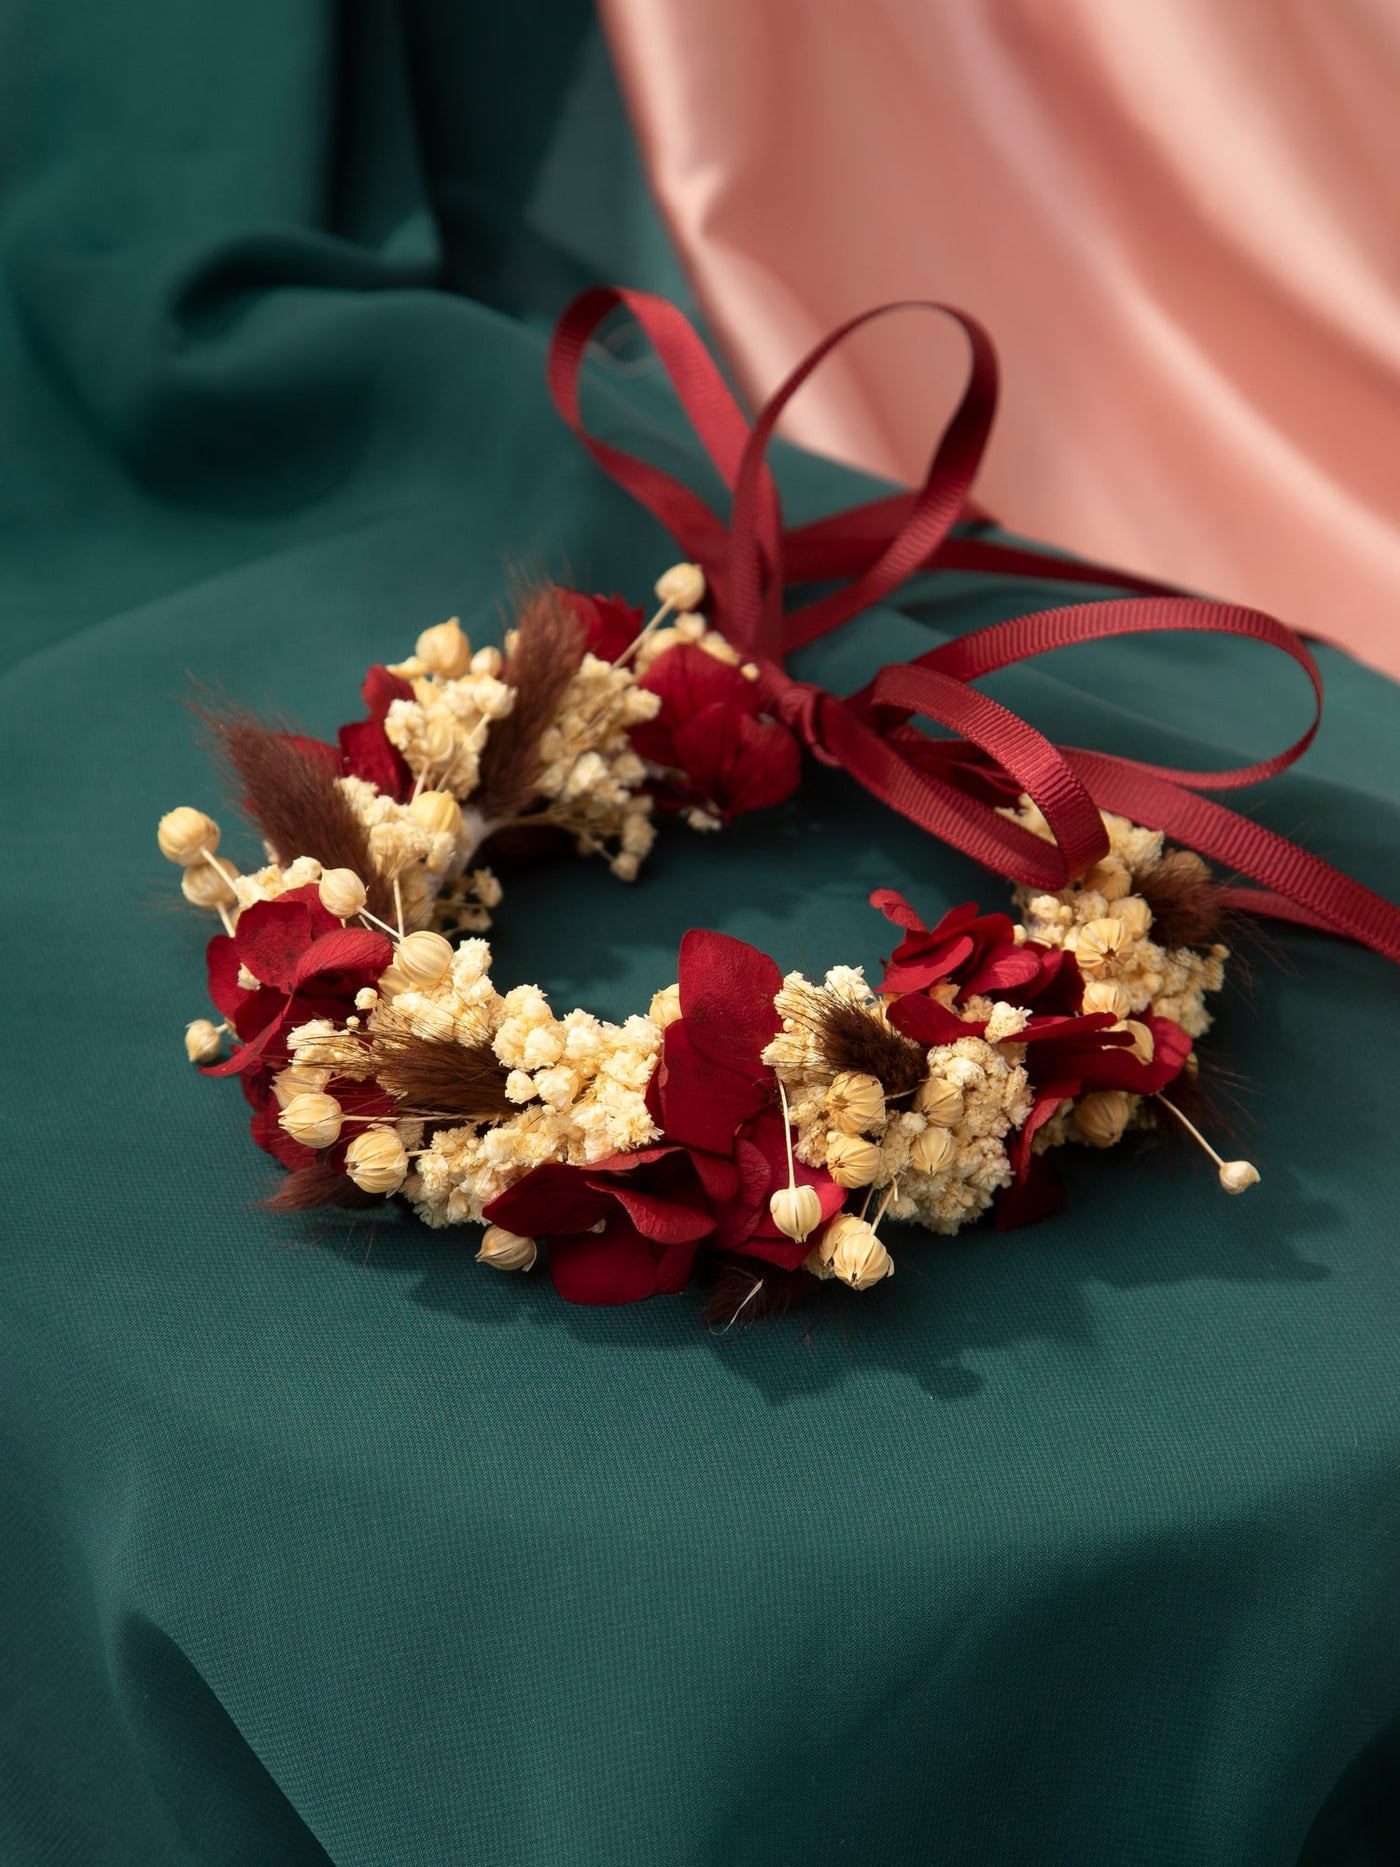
(776, 1122)
(769, 1123)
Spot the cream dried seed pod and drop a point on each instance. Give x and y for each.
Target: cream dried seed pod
(203, 1040)
(855, 1102)
(683, 586)
(437, 811)
(204, 886)
(1135, 915)
(1101, 1116)
(1237, 1176)
(665, 1006)
(796, 1211)
(313, 1119)
(939, 1101)
(931, 1151)
(1144, 1044)
(1106, 995)
(1098, 943)
(854, 1252)
(376, 1161)
(489, 661)
(444, 650)
(852, 1161)
(301, 1079)
(185, 834)
(342, 893)
(423, 958)
(507, 1251)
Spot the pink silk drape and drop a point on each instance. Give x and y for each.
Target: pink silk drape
(1179, 218)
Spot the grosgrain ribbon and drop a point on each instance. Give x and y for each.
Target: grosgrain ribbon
(877, 546)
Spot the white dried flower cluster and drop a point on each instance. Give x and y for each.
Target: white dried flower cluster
(590, 777)
(418, 856)
(266, 884)
(1109, 928)
(580, 1081)
(442, 730)
(939, 1154)
(690, 628)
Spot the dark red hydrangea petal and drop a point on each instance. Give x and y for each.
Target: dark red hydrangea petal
(668, 1219)
(727, 989)
(328, 755)
(928, 1023)
(364, 746)
(1003, 969)
(895, 908)
(702, 1103)
(551, 1198)
(221, 958)
(735, 763)
(271, 936)
(348, 949)
(617, 1265)
(688, 681)
(609, 624)
(746, 1224)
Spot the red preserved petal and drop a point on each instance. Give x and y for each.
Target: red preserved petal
(727, 989)
(616, 1265)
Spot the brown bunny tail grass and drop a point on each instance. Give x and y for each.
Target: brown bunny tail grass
(292, 793)
(320, 1184)
(549, 643)
(734, 1301)
(855, 1039)
(1185, 899)
(441, 1078)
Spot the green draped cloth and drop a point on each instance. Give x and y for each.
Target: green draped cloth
(1072, 1547)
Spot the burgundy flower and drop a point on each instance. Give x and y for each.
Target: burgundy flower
(365, 749)
(1068, 1057)
(709, 1180)
(306, 966)
(719, 756)
(609, 624)
(978, 952)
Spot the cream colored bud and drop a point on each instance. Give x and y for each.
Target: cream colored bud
(438, 812)
(665, 1006)
(342, 893)
(853, 1250)
(1102, 1115)
(423, 958)
(444, 650)
(940, 1102)
(796, 1211)
(1097, 944)
(931, 1151)
(1109, 878)
(683, 586)
(433, 1023)
(386, 848)
(203, 1040)
(313, 1119)
(185, 834)
(1144, 1044)
(855, 1102)
(376, 1161)
(301, 1079)
(1106, 995)
(207, 887)
(489, 661)
(392, 981)
(507, 1251)
(439, 740)
(1237, 1176)
(851, 1161)
(1135, 916)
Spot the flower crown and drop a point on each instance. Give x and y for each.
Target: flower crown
(767, 1123)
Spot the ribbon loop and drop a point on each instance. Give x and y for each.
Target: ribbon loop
(944, 785)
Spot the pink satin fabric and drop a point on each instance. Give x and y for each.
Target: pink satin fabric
(1180, 220)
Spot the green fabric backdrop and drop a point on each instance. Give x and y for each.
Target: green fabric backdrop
(323, 1544)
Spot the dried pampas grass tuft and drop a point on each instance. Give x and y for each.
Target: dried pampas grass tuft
(291, 793)
(548, 649)
(752, 1291)
(439, 1077)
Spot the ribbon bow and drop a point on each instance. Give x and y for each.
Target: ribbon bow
(949, 787)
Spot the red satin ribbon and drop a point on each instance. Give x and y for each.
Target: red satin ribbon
(877, 546)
